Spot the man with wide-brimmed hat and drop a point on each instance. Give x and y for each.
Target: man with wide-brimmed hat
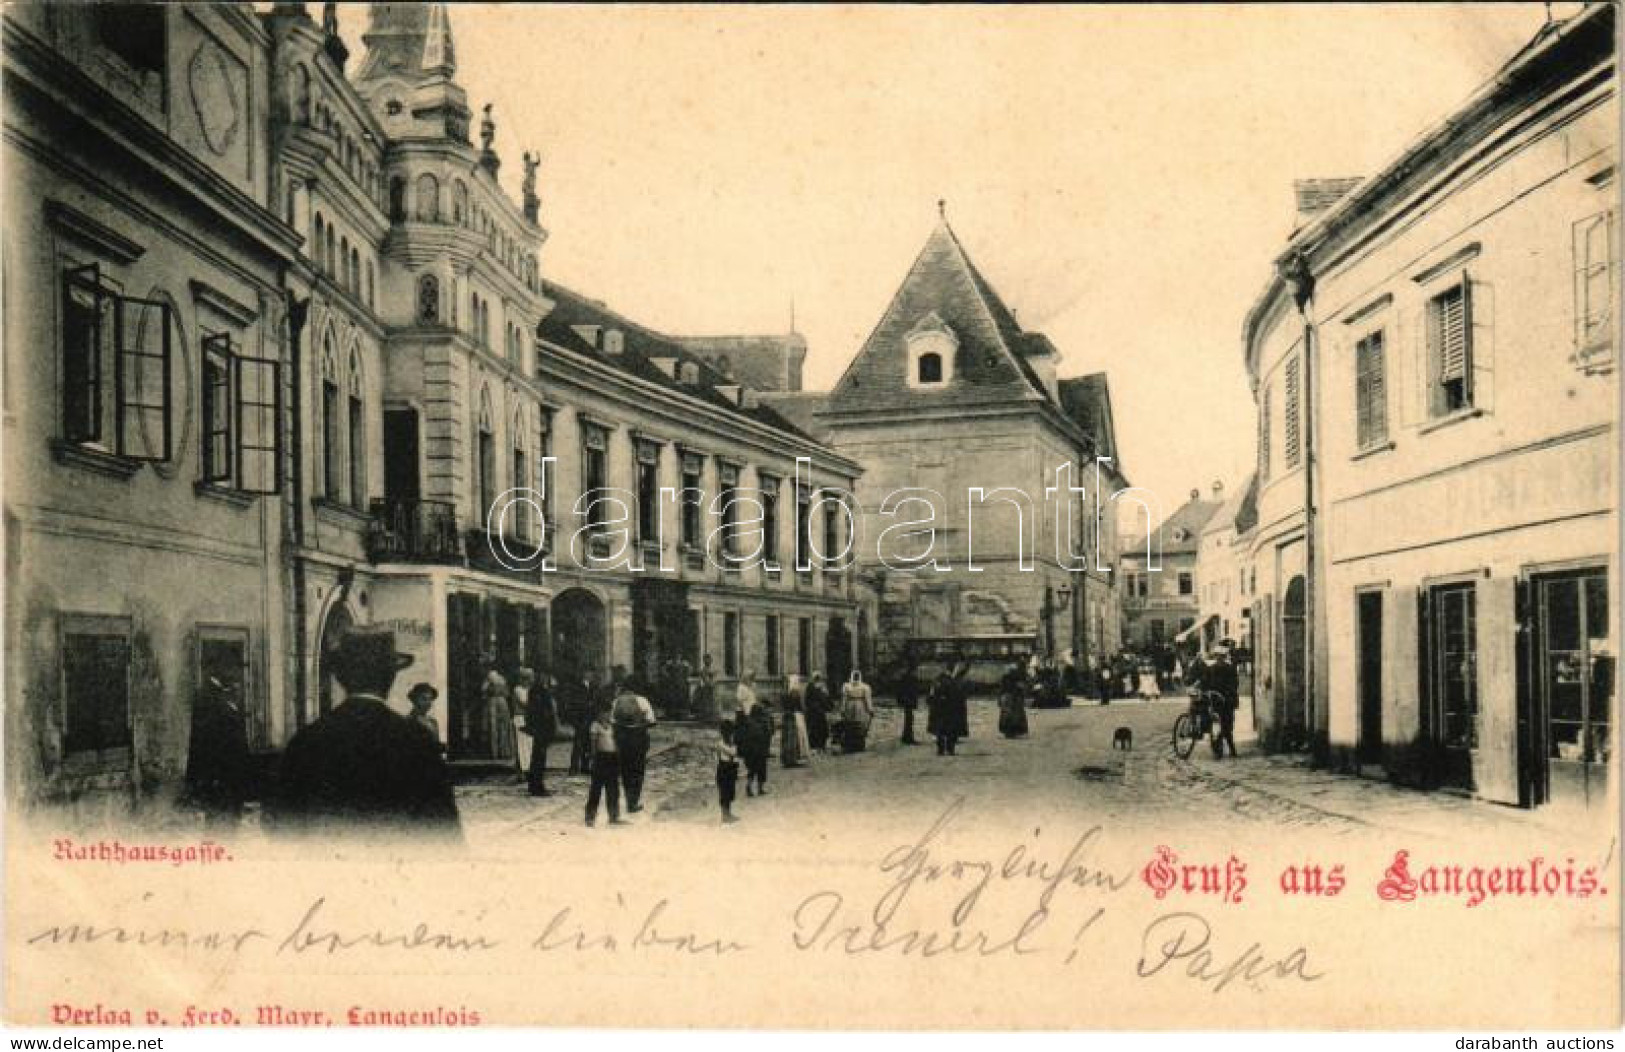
(1216, 675)
(363, 764)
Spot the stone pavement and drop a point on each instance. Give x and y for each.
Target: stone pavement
(1068, 762)
(1067, 766)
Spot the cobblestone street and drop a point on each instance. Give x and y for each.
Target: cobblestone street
(1067, 762)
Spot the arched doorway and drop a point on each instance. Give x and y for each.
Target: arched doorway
(338, 623)
(1294, 722)
(578, 633)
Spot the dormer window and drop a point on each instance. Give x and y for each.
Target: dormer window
(613, 341)
(931, 348)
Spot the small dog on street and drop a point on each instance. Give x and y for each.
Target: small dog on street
(1123, 739)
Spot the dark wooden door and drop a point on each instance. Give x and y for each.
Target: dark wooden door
(1369, 628)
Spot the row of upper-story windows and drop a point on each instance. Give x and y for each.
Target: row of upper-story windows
(746, 524)
(132, 419)
(424, 200)
(353, 150)
(1137, 583)
(334, 255)
(1449, 359)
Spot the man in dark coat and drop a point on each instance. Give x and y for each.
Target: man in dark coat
(631, 716)
(542, 724)
(908, 699)
(364, 766)
(218, 763)
(1218, 676)
(816, 702)
(949, 717)
(579, 698)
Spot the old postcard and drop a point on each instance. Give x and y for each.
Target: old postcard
(839, 517)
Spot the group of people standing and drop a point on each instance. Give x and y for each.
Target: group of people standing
(947, 705)
(811, 722)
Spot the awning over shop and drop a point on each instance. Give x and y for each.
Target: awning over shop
(1198, 628)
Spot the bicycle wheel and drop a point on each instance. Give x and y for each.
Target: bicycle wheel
(1185, 734)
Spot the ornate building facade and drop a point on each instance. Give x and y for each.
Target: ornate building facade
(302, 359)
(960, 421)
(145, 353)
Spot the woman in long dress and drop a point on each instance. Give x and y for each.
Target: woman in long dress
(816, 704)
(1148, 682)
(793, 745)
(499, 716)
(1012, 704)
(857, 712)
(524, 681)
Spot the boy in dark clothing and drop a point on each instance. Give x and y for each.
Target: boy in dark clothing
(754, 735)
(908, 699)
(727, 770)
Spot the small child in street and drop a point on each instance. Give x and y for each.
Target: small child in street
(727, 770)
(606, 768)
(755, 736)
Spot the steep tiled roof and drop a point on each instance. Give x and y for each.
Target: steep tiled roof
(1228, 517)
(990, 364)
(1086, 400)
(1181, 532)
(573, 312)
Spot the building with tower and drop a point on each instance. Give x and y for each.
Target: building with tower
(959, 417)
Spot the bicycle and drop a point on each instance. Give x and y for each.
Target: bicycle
(1196, 722)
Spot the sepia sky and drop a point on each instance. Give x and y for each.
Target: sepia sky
(1122, 175)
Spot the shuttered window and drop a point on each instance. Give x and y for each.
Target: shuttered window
(140, 331)
(1450, 349)
(1371, 391)
(95, 684)
(1594, 287)
(1292, 448)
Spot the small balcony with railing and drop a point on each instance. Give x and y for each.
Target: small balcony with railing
(414, 531)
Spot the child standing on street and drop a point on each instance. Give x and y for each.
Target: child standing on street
(755, 736)
(727, 770)
(606, 767)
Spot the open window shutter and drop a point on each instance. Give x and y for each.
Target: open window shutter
(1495, 761)
(1449, 322)
(1531, 742)
(141, 342)
(1379, 389)
(1467, 333)
(217, 408)
(257, 385)
(84, 336)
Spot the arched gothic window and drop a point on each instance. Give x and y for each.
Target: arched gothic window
(428, 300)
(357, 433)
(428, 198)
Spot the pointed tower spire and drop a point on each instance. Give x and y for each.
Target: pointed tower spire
(439, 56)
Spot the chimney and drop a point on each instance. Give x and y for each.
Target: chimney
(1218, 490)
(1196, 494)
(1314, 196)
